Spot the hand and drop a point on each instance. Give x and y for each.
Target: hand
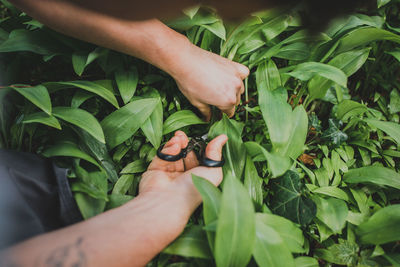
(176, 177)
(207, 79)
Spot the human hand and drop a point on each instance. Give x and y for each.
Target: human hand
(175, 178)
(208, 79)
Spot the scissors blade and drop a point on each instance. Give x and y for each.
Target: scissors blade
(204, 137)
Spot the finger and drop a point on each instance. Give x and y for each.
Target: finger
(205, 110)
(242, 89)
(183, 139)
(230, 111)
(238, 98)
(214, 148)
(242, 70)
(172, 147)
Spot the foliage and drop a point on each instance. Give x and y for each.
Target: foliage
(312, 161)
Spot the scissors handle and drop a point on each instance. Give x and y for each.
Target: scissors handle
(204, 161)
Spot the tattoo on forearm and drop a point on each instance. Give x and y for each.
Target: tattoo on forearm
(67, 256)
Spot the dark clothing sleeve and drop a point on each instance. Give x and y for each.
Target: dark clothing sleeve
(35, 197)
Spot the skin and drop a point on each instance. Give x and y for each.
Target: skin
(134, 233)
(219, 83)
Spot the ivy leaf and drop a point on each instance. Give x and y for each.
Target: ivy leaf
(289, 201)
(333, 134)
(344, 253)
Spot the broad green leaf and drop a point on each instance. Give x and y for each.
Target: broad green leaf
(333, 134)
(211, 203)
(295, 51)
(267, 76)
(381, 3)
(234, 150)
(382, 227)
(306, 262)
(123, 123)
(287, 129)
(277, 164)
(123, 184)
(80, 97)
(42, 118)
(200, 18)
(348, 62)
(216, 28)
(349, 108)
(191, 243)
(365, 35)
(127, 81)
(287, 230)
(332, 212)
(332, 191)
(395, 54)
(153, 126)
(390, 128)
(67, 149)
(94, 88)
(344, 253)
(191, 11)
(270, 250)
(93, 184)
(253, 182)
(308, 70)
(180, 119)
(38, 95)
(374, 175)
(136, 166)
(82, 119)
(33, 41)
(288, 200)
(79, 62)
(233, 245)
(88, 206)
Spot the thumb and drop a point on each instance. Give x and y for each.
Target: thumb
(214, 148)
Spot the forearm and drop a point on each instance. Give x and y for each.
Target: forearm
(149, 40)
(130, 235)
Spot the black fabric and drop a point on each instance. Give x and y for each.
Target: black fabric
(35, 197)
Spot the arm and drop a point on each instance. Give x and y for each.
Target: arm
(203, 77)
(133, 234)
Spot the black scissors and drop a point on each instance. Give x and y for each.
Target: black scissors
(196, 144)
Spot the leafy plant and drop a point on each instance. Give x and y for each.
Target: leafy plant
(312, 161)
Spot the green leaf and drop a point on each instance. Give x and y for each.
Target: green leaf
(127, 81)
(288, 200)
(253, 182)
(344, 253)
(82, 119)
(234, 150)
(33, 41)
(153, 126)
(136, 166)
(295, 51)
(38, 95)
(394, 105)
(332, 212)
(374, 175)
(287, 129)
(94, 88)
(348, 109)
(123, 123)
(93, 184)
(180, 119)
(381, 3)
(216, 28)
(233, 246)
(123, 184)
(191, 243)
(390, 128)
(308, 70)
(348, 62)
(291, 234)
(332, 192)
(79, 62)
(67, 149)
(382, 227)
(333, 134)
(363, 36)
(211, 203)
(42, 118)
(305, 262)
(267, 76)
(88, 206)
(270, 250)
